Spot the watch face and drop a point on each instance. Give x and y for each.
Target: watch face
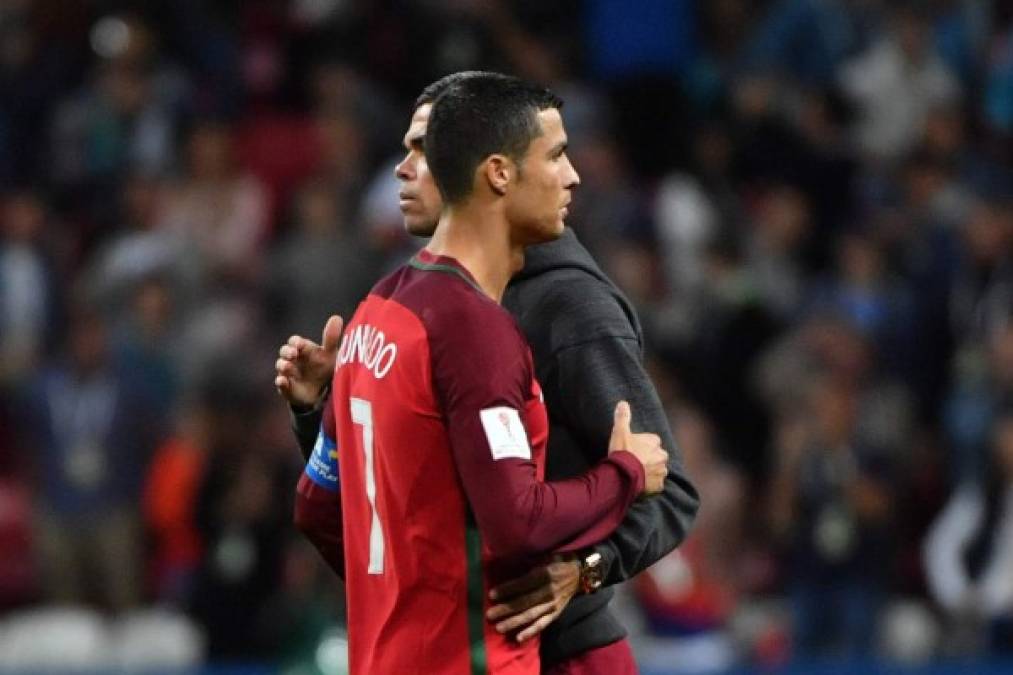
(591, 573)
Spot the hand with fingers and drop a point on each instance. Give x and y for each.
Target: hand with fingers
(528, 604)
(304, 367)
(645, 447)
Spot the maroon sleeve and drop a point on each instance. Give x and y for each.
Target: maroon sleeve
(318, 508)
(482, 364)
(318, 516)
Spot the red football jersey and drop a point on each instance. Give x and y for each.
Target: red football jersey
(440, 438)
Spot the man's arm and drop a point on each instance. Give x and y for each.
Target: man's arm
(318, 497)
(588, 354)
(591, 377)
(318, 516)
(483, 378)
(521, 516)
(581, 381)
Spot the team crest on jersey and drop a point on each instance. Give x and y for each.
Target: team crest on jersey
(322, 468)
(505, 433)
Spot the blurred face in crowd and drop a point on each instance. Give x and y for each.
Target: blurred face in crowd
(335, 86)
(910, 29)
(141, 202)
(343, 147)
(840, 348)
(634, 268)
(22, 219)
(420, 199)
(860, 260)
(601, 162)
(126, 86)
(153, 307)
(925, 179)
(87, 342)
(712, 150)
(987, 233)
(945, 131)
(833, 409)
(318, 210)
(210, 150)
(784, 219)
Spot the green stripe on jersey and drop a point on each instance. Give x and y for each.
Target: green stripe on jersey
(440, 267)
(476, 598)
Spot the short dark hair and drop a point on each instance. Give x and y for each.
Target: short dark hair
(434, 89)
(478, 115)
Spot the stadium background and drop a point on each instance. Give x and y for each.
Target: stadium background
(808, 201)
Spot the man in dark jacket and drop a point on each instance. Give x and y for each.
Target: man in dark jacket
(587, 346)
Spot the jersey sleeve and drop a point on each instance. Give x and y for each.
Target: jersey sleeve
(483, 374)
(318, 496)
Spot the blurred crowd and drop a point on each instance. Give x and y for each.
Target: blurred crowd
(810, 202)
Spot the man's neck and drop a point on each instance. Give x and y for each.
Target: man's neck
(479, 239)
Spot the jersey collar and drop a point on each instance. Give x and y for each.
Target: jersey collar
(429, 262)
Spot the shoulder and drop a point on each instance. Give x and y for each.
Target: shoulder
(457, 318)
(472, 323)
(476, 350)
(565, 307)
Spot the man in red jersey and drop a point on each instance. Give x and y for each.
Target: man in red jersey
(438, 415)
(587, 344)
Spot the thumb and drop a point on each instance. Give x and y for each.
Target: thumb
(332, 333)
(623, 416)
(621, 426)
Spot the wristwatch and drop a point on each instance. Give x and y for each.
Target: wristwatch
(591, 573)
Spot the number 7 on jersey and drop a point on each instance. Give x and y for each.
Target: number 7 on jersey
(362, 414)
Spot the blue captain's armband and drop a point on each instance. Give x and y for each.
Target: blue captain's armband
(322, 468)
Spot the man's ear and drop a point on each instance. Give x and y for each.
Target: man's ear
(498, 171)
